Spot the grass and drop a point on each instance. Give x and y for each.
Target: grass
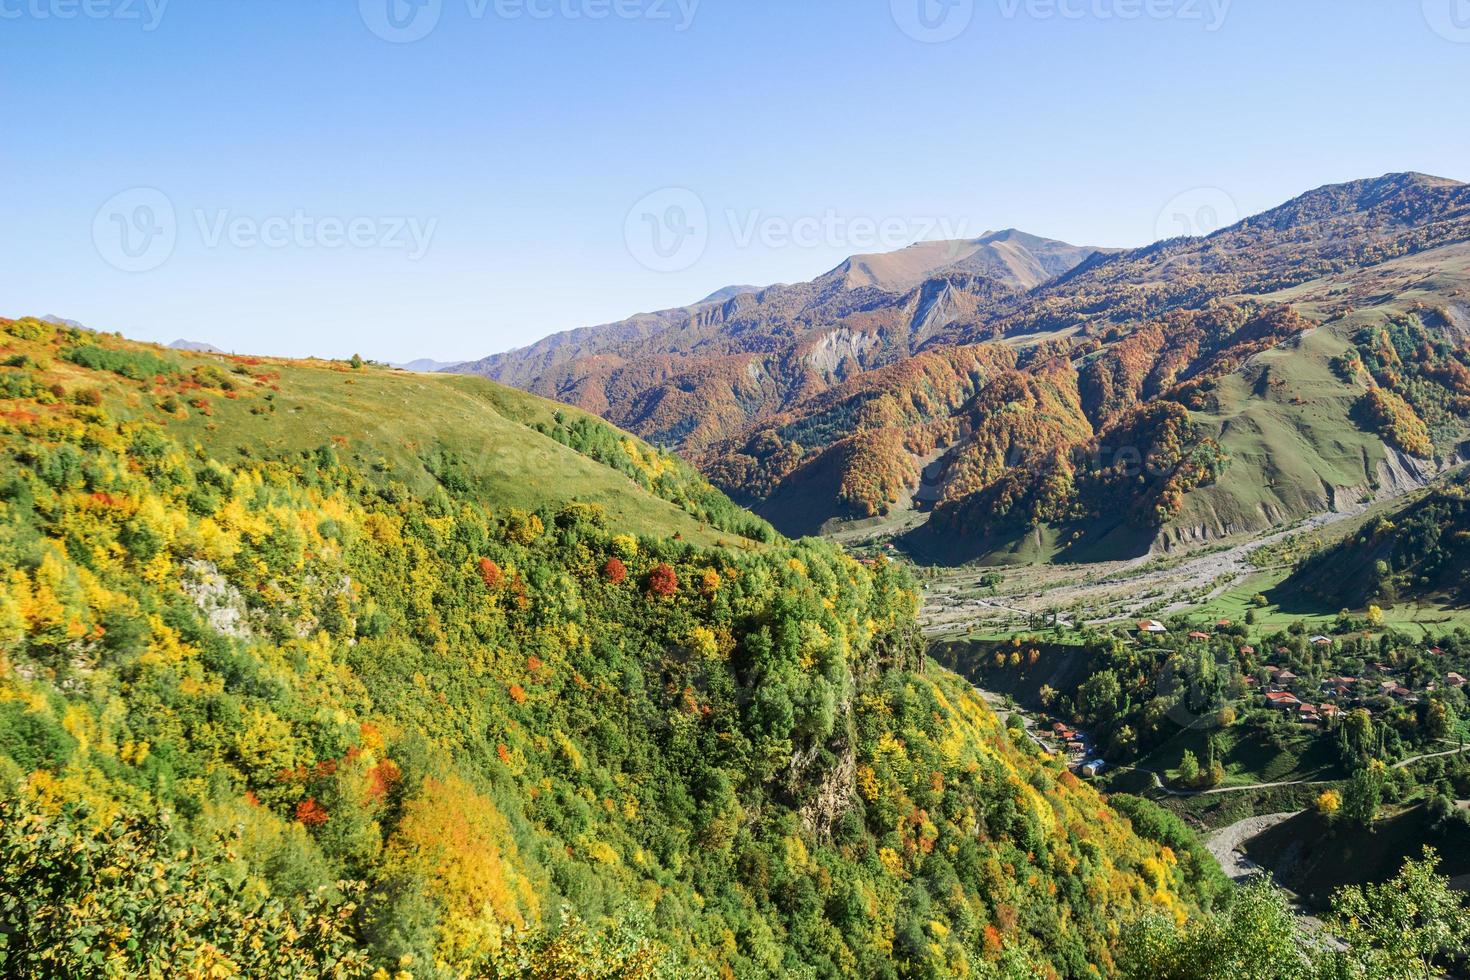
(393, 420)
(1247, 758)
(397, 416)
(1426, 618)
(1285, 422)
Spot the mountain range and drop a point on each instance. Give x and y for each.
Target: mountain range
(1000, 397)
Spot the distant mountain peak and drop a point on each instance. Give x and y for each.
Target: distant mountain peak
(426, 365)
(727, 293)
(1012, 257)
(197, 346)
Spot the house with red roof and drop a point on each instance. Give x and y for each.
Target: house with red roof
(1282, 700)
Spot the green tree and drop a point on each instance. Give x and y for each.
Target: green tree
(1100, 696)
(1256, 938)
(1189, 770)
(82, 900)
(1363, 795)
(1410, 927)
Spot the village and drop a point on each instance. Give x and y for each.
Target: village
(1408, 694)
(1314, 702)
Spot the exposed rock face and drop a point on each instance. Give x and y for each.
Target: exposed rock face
(221, 603)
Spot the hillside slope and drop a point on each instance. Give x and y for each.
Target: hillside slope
(1419, 552)
(312, 669)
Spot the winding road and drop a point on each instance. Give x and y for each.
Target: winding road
(1160, 785)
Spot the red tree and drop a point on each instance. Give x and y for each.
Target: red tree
(615, 571)
(491, 573)
(311, 813)
(382, 778)
(662, 581)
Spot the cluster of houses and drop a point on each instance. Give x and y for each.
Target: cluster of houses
(1076, 746)
(1154, 627)
(1281, 689)
(1284, 691)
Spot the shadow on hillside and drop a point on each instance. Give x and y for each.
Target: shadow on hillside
(1314, 859)
(1080, 543)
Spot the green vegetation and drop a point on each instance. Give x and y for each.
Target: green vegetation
(1221, 705)
(1411, 927)
(1420, 551)
(137, 365)
(309, 669)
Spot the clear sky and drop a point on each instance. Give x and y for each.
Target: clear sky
(451, 178)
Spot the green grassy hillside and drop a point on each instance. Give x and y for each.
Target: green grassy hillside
(1289, 419)
(426, 429)
(318, 669)
(1420, 552)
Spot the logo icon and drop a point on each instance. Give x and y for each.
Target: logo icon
(933, 21)
(1196, 213)
(136, 230)
(1450, 19)
(668, 230)
(401, 21)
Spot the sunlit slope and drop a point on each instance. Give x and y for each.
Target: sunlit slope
(1290, 422)
(407, 426)
(278, 661)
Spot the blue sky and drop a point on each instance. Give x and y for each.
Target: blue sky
(275, 176)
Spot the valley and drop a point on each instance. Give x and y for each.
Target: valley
(1215, 438)
(569, 491)
(1110, 406)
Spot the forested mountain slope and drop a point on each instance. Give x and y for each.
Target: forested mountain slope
(698, 374)
(1420, 551)
(314, 669)
(1297, 361)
